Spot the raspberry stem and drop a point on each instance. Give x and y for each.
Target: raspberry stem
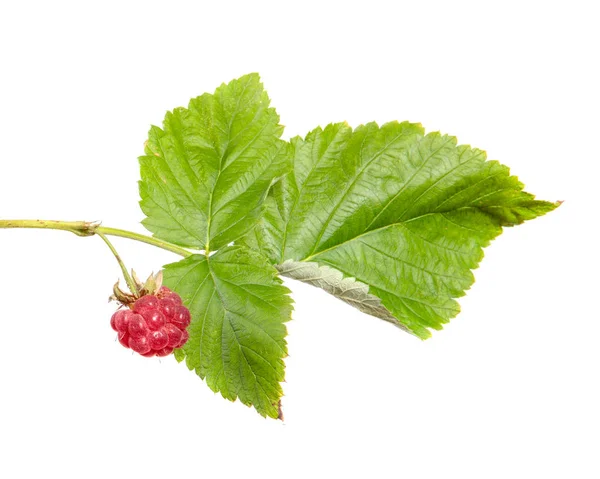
(128, 279)
(144, 239)
(80, 228)
(85, 228)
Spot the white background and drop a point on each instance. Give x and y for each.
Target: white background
(508, 389)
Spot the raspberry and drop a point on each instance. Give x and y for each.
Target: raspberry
(175, 298)
(113, 321)
(124, 339)
(174, 335)
(154, 324)
(181, 318)
(164, 352)
(158, 339)
(140, 345)
(137, 326)
(168, 306)
(184, 338)
(145, 302)
(154, 318)
(119, 320)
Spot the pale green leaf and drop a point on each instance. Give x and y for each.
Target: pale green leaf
(237, 336)
(405, 213)
(206, 172)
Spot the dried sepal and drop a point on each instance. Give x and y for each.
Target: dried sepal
(136, 279)
(152, 286)
(121, 296)
(153, 283)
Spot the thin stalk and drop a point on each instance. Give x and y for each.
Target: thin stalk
(145, 239)
(128, 279)
(85, 228)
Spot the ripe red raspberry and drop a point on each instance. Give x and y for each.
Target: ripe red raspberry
(174, 335)
(158, 339)
(124, 339)
(137, 326)
(154, 324)
(154, 318)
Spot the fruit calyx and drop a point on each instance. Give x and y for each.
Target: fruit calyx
(151, 286)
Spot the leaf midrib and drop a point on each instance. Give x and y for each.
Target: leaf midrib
(376, 230)
(222, 157)
(215, 279)
(257, 383)
(351, 186)
(300, 191)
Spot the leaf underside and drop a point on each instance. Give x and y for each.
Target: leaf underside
(237, 336)
(331, 280)
(206, 172)
(405, 213)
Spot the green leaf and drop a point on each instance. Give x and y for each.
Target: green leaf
(179, 355)
(403, 212)
(237, 335)
(206, 173)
